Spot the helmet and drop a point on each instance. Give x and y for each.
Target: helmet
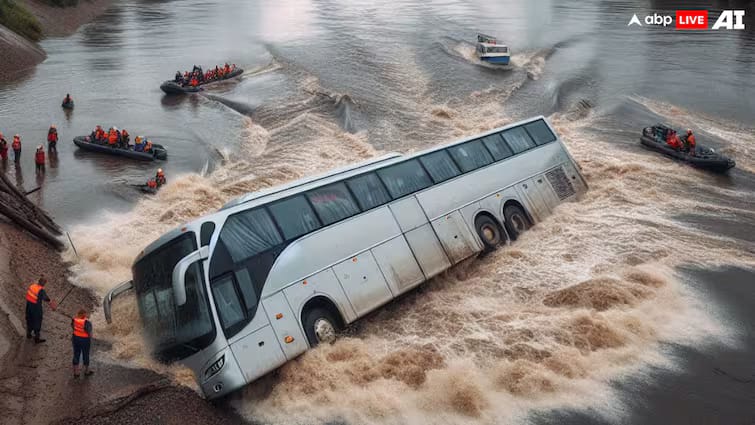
(53, 126)
(138, 139)
(689, 131)
(115, 128)
(39, 147)
(159, 171)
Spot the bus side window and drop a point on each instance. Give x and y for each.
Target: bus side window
(404, 178)
(518, 139)
(497, 147)
(440, 166)
(369, 191)
(295, 217)
(540, 132)
(471, 155)
(248, 233)
(248, 291)
(333, 203)
(229, 307)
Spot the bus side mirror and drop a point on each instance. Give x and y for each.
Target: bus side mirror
(121, 288)
(179, 273)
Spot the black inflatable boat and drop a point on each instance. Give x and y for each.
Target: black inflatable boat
(158, 151)
(171, 87)
(706, 158)
(67, 105)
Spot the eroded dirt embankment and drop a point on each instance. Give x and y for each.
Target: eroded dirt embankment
(36, 383)
(19, 55)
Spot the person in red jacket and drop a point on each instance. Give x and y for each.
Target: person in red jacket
(39, 159)
(52, 139)
(3, 148)
(673, 140)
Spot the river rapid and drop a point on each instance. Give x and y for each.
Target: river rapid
(592, 308)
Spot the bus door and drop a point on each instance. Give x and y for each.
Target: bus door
(252, 339)
(532, 191)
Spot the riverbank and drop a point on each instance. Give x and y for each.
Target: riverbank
(36, 383)
(20, 54)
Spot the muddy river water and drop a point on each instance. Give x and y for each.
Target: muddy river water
(633, 305)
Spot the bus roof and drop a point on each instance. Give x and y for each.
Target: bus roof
(302, 185)
(296, 183)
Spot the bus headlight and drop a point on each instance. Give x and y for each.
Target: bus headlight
(214, 368)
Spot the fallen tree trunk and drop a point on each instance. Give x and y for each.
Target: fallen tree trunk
(20, 210)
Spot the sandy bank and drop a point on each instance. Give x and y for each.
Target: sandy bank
(36, 383)
(57, 22)
(20, 54)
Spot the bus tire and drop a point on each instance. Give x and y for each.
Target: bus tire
(489, 232)
(516, 221)
(320, 326)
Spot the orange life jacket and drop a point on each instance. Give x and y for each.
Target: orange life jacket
(691, 140)
(33, 292)
(79, 328)
(16, 143)
(113, 137)
(152, 184)
(52, 136)
(39, 158)
(148, 146)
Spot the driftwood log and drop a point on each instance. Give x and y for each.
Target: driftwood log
(21, 211)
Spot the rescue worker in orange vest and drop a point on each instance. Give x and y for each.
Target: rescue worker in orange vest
(82, 342)
(691, 143)
(673, 140)
(35, 295)
(39, 159)
(148, 146)
(194, 82)
(112, 137)
(99, 134)
(16, 145)
(160, 177)
(125, 139)
(52, 139)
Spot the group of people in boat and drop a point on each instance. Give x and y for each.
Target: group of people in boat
(39, 155)
(197, 77)
(686, 143)
(119, 139)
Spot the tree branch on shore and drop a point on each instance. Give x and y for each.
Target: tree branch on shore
(20, 210)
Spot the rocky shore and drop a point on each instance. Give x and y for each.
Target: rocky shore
(36, 382)
(21, 54)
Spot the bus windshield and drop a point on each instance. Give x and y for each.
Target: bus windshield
(174, 333)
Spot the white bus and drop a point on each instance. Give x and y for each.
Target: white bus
(237, 293)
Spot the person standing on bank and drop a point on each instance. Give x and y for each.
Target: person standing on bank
(82, 342)
(34, 297)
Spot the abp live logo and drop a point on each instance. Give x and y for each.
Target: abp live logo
(694, 20)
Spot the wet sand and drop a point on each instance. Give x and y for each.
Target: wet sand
(36, 384)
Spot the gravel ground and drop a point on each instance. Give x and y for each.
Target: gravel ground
(36, 383)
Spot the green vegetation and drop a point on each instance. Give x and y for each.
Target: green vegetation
(19, 20)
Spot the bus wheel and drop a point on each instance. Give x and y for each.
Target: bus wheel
(320, 326)
(488, 231)
(516, 220)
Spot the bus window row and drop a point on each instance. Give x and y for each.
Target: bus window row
(249, 233)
